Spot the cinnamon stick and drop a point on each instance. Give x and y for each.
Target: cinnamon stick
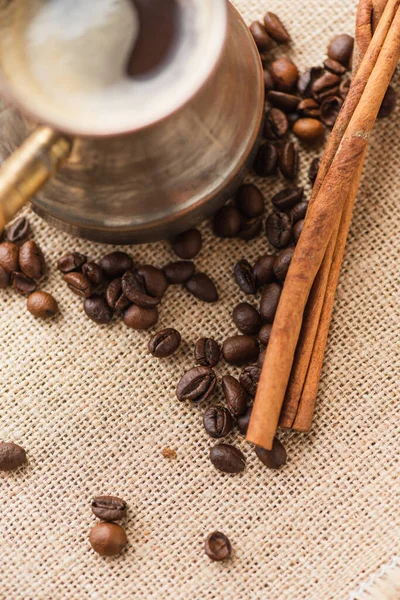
(319, 227)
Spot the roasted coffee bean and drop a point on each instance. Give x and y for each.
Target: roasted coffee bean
(97, 309)
(240, 350)
(264, 269)
(313, 170)
(217, 421)
(388, 104)
(196, 385)
(265, 333)
(12, 456)
(202, 287)
(155, 282)
(249, 378)
(227, 458)
(297, 230)
(116, 264)
(326, 85)
(288, 198)
(5, 278)
(276, 124)
(94, 273)
(261, 357)
(164, 343)
(235, 395)
(333, 66)
(226, 222)
(217, 546)
(309, 131)
(42, 305)
(250, 201)
(109, 508)
(341, 49)
(247, 318)
(79, 284)
(188, 244)
(275, 458)
(18, 231)
(31, 260)
(286, 102)
(279, 229)
(289, 160)
(133, 287)
(22, 284)
(282, 264)
(140, 318)
(276, 29)
(309, 108)
(285, 74)
(115, 296)
(260, 36)
(306, 81)
(269, 302)
(266, 162)
(9, 254)
(73, 261)
(330, 109)
(244, 276)
(108, 539)
(207, 352)
(250, 228)
(179, 272)
(243, 421)
(268, 81)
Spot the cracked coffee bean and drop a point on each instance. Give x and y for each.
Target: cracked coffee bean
(42, 305)
(330, 109)
(226, 222)
(218, 547)
(250, 201)
(243, 421)
(115, 296)
(244, 276)
(22, 284)
(266, 162)
(201, 286)
(134, 289)
(309, 131)
(196, 385)
(18, 231)
(31, 260)
(285, 74)
(94, 273)
(109, 508)
(108, 539)
(73, 261)
(78, 284)
(341, 49)
(12, 456)
(286, 102)
(388, 104)
(240, 350)
(155, 282)
(282, 264)
(188, 244)
(297, 230)
(9, 254)
(140, 318)
(164, 343)
(217, 421)
(288, 198)
(97, 309)
(276, 29)
(279, 230)
(207, 352)
(260, 36)
(269, 302)
(276, 124)
(235, 395)
(309, 108)
(275, 458)
(247, 318)
(264, 269)
(179, 272)
(265, 333)
(249, 378)
(313, 170)
(289, 160)
(227, 458)
(115, 264)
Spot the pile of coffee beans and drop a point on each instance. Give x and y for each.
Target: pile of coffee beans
(108, 538)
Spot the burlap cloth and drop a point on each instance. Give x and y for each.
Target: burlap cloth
(94, 411)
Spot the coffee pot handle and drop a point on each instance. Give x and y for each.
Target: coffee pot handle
(29, 168)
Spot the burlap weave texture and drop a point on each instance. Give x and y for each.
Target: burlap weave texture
(94, 411)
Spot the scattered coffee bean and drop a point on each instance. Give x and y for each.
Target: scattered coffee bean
(289, 160)
(240, 350)
(235, 395)
(207, 352)
(155, 282)
(73, 261)
(326, 85)
(279, 230)
(5, 278)
(275, 458)
(250, 201)
(9, 254)
(31, 260)
(133, 287)
(217, 546)
(196, 385)
(218, 422)
(115, 296)
(227, 458)
(260, 36)
(266, 162)
(309, 108)
(388, 104)
(244, 420)
(341, 49)
(12, 456)
(226, 222)
(42, 305)
(334, 67)
(313, 170)
(261, 357)
(282, 264)
(269, 302)
(187, 245)
(23, 284)
(285, 74)
(309, 131)
(297, 230)
(249, 378)
(202, 287)
(268, 81)
(94, 273)
(116, 264)
(330, 109)
(78, 284)
(108, 539)
(265, 333)
(250, 228)
(18, 231)
(247, 318)
(276, 124)
(164, 343)
(97, 309)
(288, 198)
(179, 272)
(244, 276)
(140, 318)
(109, 508)
(286, 102)
(264, 269)
(276, 29)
